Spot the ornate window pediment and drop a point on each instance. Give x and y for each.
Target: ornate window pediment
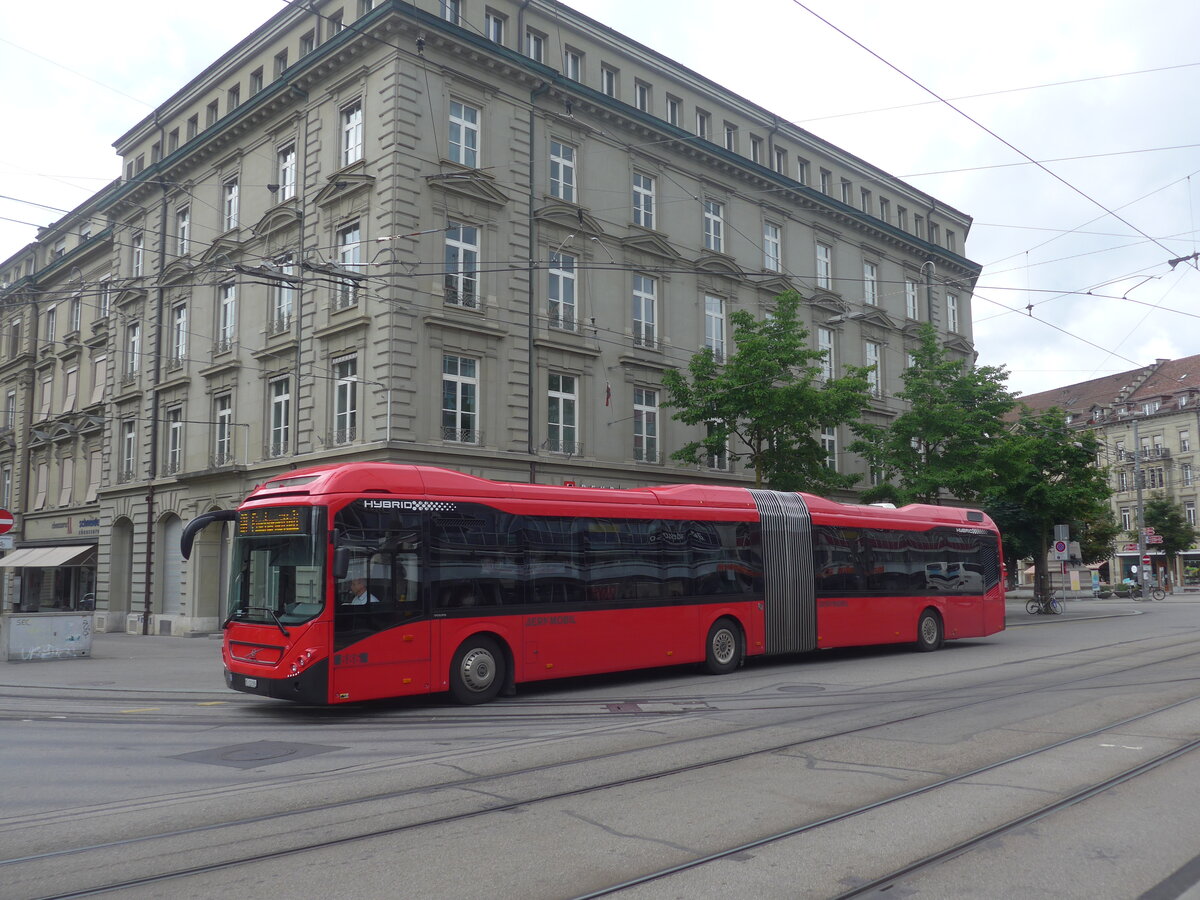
(650, 243)
(472, 184)
(176, 272)
(719, 264)
(219, 252)
(569, 216)
(344, 184)
(278, 218)
(878, 318)
(775, 285)
(828, 303)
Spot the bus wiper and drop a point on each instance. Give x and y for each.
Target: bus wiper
(270, 612)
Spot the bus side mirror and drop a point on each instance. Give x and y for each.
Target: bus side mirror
(341, 563)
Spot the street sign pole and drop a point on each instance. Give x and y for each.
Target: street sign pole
(1137, 480)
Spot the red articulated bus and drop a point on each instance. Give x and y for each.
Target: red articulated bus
(367, 580)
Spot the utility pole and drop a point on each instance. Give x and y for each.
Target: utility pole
(1141, 529)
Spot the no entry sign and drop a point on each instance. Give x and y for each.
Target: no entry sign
(6, 521)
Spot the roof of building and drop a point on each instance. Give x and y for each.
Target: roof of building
(1164, 380)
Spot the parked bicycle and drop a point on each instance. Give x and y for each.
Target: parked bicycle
(1155, 593)
(1042, 605)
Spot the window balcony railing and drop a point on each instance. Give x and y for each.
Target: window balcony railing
(570, 448)
(563, 320)
(279, 324)
(341, 436)
(645, 339)
(275, 448)
(462, 295)
(345, 295)
(461, 435)
(645, 454)
(222, 458)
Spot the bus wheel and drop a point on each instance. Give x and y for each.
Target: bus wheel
(477, 672)
(723, 649)
(929, 631)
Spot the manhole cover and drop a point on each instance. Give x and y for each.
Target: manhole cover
(255, 754)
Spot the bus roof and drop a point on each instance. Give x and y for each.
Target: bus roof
(383, 479)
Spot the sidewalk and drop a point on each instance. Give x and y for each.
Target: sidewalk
(129, 662)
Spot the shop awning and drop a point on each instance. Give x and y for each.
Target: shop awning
(38, 557)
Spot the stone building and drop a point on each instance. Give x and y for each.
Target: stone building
(435, 232)
(1148, 423)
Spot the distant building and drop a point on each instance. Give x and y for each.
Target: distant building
(452, 234)
(1147, 420)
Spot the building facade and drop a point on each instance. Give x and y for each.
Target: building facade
(1148, 422)
(435, 232)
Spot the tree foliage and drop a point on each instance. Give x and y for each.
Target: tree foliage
(940, 445)
(1045, 475)
(770, 397)
(1170, 523)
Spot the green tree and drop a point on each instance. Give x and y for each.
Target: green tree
(1045, 475)
(1170, 523)
(769, 395)
(940, 444)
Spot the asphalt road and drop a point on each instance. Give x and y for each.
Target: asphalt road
(1056, 759)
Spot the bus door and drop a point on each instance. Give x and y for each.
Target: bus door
(381, 628)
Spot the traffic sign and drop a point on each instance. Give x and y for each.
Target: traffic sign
(1154, 539)
(6, 521)
(1145, 560)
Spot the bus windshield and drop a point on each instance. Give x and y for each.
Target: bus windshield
(278, 566)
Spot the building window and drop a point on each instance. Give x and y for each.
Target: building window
(179, 336)
(223, 430)
(47, 397)
(14, 338)
(464, 134)
(825, 267)
(51, 324)
(281, 63)
(226, 317)
(283, 297)
(645, 290)
(452, 11)
(730, 139)
(173, 140)
(1185, 474)
(256, 81)
(873, 359)
(1185, 441)
(919, 226)
(772, 247)
(494, 26)
(352, 133)
(6, 481)
(285, 171)
(902, 218)
(714, 226)
(870, 284)
(562, 171)
(193, 126)
(643, 200)
(561, 426)
(280, 397)
(912, 307)
(826, 182)
(674, 104)
(756, 149)
(462, 265)
(645, 425)
(139, 254)
(865, 198)
(105, 303)
(573, 64)
(133, 349)
(703, 125)
(1122, 480)
(934, 233)
(779, 160)
(952, 313)
(847, 190)
(10, 415)
(562, 310)
(211, 113)
(174, 441)
(345, 399)
(884, 211)
(460, 389)
(802, 170)
(71, 390)
(608, 81)
(951, 241)
(718, 460)
(349, 255)
(99, 377)
(229, 209)
(829, 447)
(1189, 511)
(714, 326)
(535, 45)
(234, 97)
(128, 453)
(641, 96)
(1126, 519)
(183, 230)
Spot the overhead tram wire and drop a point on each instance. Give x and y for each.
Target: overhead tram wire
(979, 124)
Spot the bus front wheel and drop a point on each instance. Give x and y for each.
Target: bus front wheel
(477, 672)
(723, 649)
(929, 631)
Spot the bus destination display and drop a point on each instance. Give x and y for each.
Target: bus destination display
(275, 520)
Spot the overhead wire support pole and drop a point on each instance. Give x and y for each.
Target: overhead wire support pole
(1141, 527)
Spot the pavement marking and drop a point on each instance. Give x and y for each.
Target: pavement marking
(213, 703)
(141, 709)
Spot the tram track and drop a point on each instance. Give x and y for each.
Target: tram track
(492, 784)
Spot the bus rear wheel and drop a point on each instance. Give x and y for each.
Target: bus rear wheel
(723, 648)
(929, 631)
(477, 672)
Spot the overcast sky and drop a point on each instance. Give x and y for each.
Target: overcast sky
(1102, 94)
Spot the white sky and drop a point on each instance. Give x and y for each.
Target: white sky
(69, 89)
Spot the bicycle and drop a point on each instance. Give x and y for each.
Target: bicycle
(1045, 606)
(1156, 593)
